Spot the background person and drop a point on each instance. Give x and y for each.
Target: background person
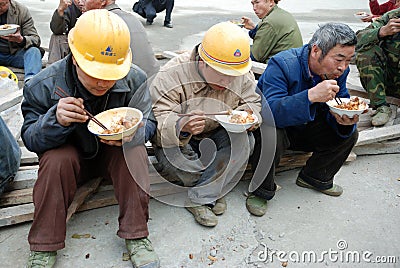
(296, 84)
(98, 75)
(63, 20)
(277, 30)
(148, 9)
(377, 60)
(142, 52)
(197, 83)
(20, 49)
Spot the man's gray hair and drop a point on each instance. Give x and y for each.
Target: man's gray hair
(331, 34)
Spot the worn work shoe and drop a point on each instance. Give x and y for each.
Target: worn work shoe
(41, 259)
(256, 205)
(168, 25)
(382, 116)
(220, 206)
(203, 215)
(142, 253)
(335, 190)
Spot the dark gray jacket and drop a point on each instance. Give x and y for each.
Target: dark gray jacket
(62, 24)
(41, 131)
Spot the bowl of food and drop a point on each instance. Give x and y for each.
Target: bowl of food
(238, 23)
(238, 121)
(361, 15)
(7, 29)
(120, 122)
(350, 106)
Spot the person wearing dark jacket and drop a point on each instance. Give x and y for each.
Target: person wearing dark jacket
(97, 75)
(63, 20)
(148, 9)
(21, 48)
(296, 84)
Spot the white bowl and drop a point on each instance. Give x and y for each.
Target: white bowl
(233, 127)
(107, 119)
(349, 113)
(360, 15)
(11, 28)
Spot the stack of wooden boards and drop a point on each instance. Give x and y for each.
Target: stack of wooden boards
(16, 203)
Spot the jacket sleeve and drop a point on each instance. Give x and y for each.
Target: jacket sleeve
(249, 97)
(263, 42)
(28, 29)
(368, 37)
(57, 23)
(41, 130)
(291, 110)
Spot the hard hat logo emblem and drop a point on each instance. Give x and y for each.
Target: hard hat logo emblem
(108, 52)
(237, 53)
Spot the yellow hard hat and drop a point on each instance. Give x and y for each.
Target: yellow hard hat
(226, 48)
(100, 44)
(7, 73)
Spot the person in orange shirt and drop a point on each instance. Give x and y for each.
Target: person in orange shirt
(379, 9)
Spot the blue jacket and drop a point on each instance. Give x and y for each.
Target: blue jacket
(41, 131)
(285, 85)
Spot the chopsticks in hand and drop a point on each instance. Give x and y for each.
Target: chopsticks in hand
(62, 94)
(337, 99)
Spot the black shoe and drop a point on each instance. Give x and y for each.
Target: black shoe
(149, 22)
(168, 25)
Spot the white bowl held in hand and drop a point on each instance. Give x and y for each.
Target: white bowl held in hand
(7, 29)
(109, 119)
(350, 113)
(224, 121)
(361, 15)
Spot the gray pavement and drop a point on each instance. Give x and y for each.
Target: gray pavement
(362, 223)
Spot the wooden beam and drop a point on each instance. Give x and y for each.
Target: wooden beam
(16, 214)
(378, 134)
(16, 197)
(10, 100)
(386, 147)
(81, 194)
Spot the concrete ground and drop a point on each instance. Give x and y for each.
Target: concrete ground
(304, 227)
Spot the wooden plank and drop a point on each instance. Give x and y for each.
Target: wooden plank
(386, 147)
(10, 100)
(16, 214)
(378, 134)
(81, 194)
(23, 180)
(28, 157)
(99, 200)
(16, 197)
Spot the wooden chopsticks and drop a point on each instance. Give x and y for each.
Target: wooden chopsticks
(337, 99)
(217, 113)
(62, 94)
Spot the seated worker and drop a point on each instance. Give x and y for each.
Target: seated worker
(377, 60)
(197, 83)
(377, 10)
(10, 156)
(63, 20)
(277, 30)
(20, 49)
(296, 84)
(56, 129)
(148, 9)
(142, 53)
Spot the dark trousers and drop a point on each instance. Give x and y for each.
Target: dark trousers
(329, 152)
(152, 7)
(62, 169)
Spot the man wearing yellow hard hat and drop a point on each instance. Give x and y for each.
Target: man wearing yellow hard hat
(96, 76)
(213, 78)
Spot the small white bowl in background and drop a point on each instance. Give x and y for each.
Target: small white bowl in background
(361, 15)
(349, 113)
(106, 118)
(233, 127)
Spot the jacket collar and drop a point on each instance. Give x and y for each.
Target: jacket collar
(305, 69)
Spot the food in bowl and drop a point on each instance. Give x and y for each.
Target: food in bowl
(350, 106)
(238, 121)
(353, 104)
(120, 122)
(241, 118)
(5, 26)
(7, 29)
(361, 15)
